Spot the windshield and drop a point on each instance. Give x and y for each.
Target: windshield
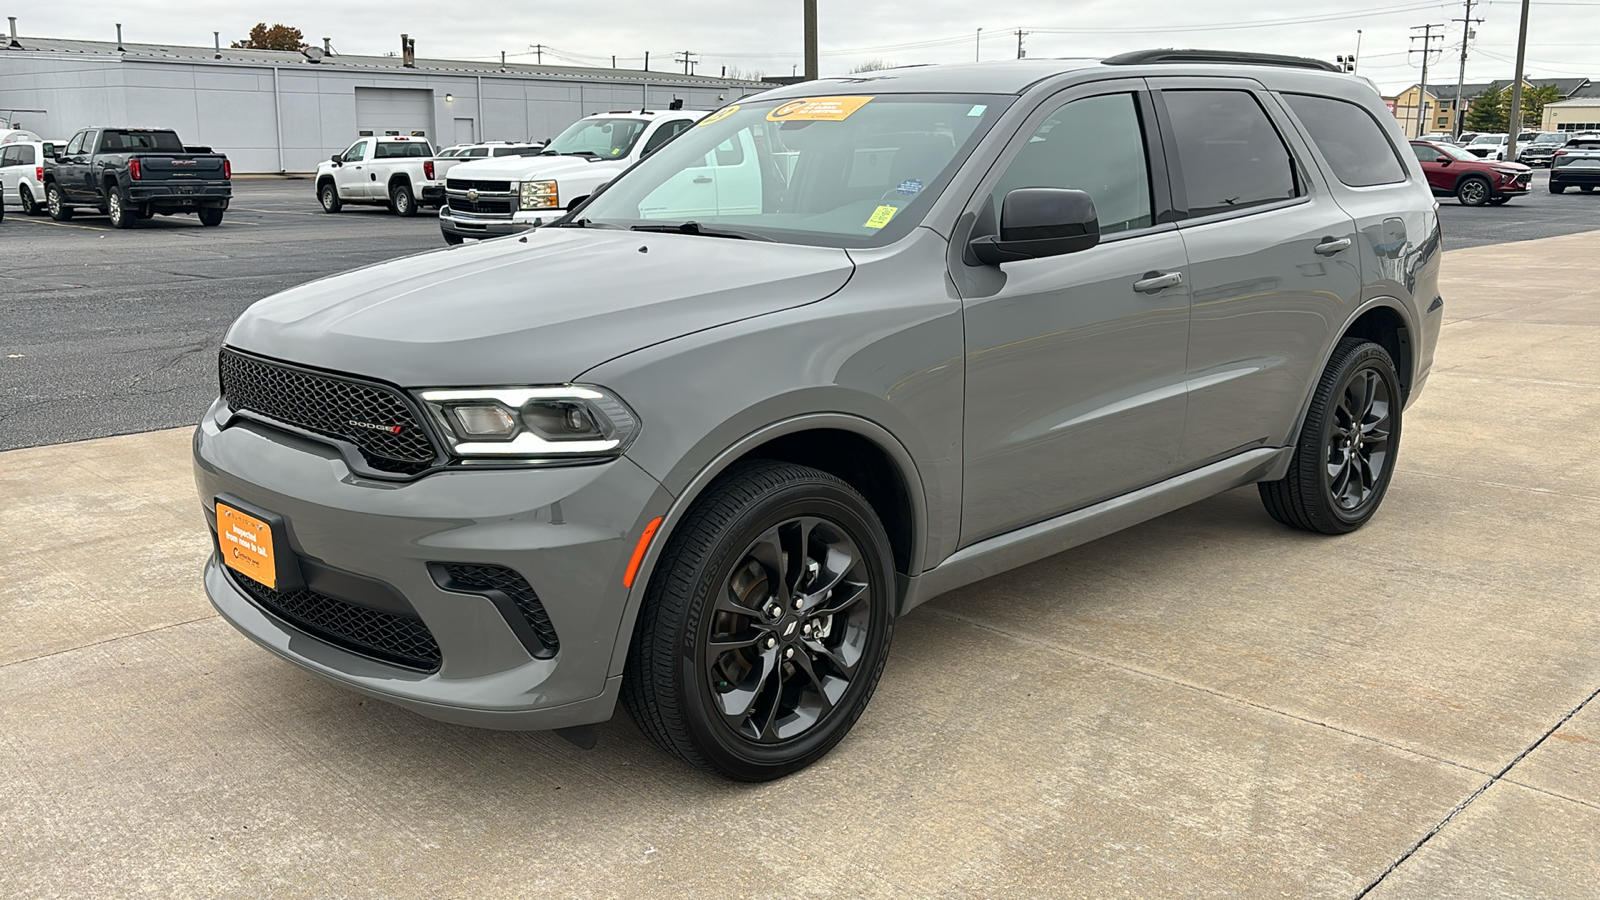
(847, 171)
(603, 138)
(1457, 152)
(1551, 137)
(1489, 139)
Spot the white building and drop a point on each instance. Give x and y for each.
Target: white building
(273, 111)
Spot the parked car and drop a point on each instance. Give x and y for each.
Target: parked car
(697, 454)
(1542, 148)
(1489, 146)
(1577, 164)
(396, 171)
(486, 150)
(506, 196)
(136, 173)
(22, 165)
(1454, 172)
(1438, 136)
(1465, 138)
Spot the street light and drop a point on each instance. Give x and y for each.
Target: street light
(977, 48)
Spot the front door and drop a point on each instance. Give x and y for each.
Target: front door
(1075, 363)
(71, 170)
(1435, 165)
(1272, 257)
(351, 176)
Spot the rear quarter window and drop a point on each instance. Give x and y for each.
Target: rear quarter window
(1350, 140)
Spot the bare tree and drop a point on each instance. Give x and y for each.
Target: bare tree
(751, 75)
(872, 65)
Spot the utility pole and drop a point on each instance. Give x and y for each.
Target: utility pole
(1020, 35)
(688, 62)
(1467, 21)
(1516, 86)
(1358, 52)
(810, 27)
(977, 47)
(1427, 37)
(538, 53)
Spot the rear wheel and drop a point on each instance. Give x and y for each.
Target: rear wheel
(117, 208)
(766, 624)
(328, 195)
(401, 201)
(1587, 188)
(1473, 191)
(210, 217)
(1557, 188)
(30, 206)
(1346, 451)
(52, 201)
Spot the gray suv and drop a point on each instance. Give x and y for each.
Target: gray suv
(838, 349)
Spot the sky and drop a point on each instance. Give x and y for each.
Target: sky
(764, 36)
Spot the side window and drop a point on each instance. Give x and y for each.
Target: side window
(665, 133)
(1095, 145)
(75, 146)
(1425, 153)
(730, 152)
(357, 152)
(1349, 139)
(8, 157)
(1230, 155)
(26, 155)
(478, 152)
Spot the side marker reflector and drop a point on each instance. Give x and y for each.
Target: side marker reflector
(638, 551)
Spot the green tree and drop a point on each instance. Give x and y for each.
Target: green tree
(1489, 110)
(277, 37)
(1533, 101)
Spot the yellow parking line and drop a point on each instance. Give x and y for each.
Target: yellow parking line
(34, 221)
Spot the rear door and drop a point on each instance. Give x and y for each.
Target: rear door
(1271, 262)
(1075, 363)
(10, 169)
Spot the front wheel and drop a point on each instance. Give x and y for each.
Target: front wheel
(30, 206)
(1499, 201)
(52, 201)
(1473, 191)
(766, 624)
(328, 196)
(452, 239)
(401, 201)
(1345, 454)
(210, 217)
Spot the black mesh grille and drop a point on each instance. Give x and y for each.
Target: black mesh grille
(373, 417)
(401, 640)
(493, 207)
(507, 581)
(471, 184)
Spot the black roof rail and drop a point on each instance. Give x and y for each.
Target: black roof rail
(1145, 57)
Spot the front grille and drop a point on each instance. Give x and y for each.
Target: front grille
(466, 577)
(472, 184)
(488, 207)
(396, 639)
(375, 418)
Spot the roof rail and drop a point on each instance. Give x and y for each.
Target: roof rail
(1145, 57)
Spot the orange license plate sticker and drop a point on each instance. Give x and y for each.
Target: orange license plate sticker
(817, 109)
(246, 544)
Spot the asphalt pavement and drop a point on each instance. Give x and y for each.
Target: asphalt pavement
(106, 332)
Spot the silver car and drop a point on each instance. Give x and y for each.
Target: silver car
(838, 349)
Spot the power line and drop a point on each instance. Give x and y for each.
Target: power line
(1427, 37)
(1467, 34)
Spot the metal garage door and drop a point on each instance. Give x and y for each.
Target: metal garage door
(404, 111)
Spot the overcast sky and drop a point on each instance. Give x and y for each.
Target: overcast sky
(764, 35)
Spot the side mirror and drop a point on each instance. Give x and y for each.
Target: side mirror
(338, 159)
(1445, 160)
(1040, 222)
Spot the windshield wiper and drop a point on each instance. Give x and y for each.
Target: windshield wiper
(584, 223)
(696, 228)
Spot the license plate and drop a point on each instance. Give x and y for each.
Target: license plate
(246, 544)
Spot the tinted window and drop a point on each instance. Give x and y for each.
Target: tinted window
(26, 155)
(1095, 145)
(1425, 153)
(399, 150)
(1228, 152)
(478, 152)
(663, 134)
(8, 157)
(115, 141)
(1349, 139)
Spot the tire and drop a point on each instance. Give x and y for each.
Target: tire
(1557, 188)
(401, 201)
(1499, 201)
(1473, 191)
(328, 196)
(1310, 497)
(117, 209)
(1586, 188)
(792, 692)
(452, 239)
(146, 211)
(30, 206)
(52, 200)
(210, 216)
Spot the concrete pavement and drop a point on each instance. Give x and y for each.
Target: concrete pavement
(1207, 705)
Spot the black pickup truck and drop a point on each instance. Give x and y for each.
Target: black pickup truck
(134, 173)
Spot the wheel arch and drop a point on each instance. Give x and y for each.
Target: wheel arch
(401, 178)
(860, 452)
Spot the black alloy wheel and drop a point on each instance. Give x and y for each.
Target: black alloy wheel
(1473, 191)
(1345, 454)
(52, 199)
(766, 624)
(30, 206)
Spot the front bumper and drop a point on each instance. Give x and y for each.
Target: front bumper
(468, 225)
(568, 531)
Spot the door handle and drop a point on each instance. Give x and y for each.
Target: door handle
(703, 179)
(1330, 246)
(1154, 282)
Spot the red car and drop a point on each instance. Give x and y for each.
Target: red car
(1473, 181)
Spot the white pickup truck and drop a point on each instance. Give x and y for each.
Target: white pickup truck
(514, 193)
(390, 170)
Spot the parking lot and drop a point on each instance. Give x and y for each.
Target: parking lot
(1207, 705)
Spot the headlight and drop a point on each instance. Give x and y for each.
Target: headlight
(539, 195)
(532, 424)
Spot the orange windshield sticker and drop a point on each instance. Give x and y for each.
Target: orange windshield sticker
(818, 109)
(719, 115)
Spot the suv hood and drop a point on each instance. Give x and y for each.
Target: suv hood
(540, 312)
(522, 168)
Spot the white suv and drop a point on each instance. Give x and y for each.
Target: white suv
(450, 157)
(504, 196)
(391, 170)
(22, 166)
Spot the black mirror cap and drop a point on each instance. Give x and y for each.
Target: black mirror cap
(338, 158)
(1040, 222)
